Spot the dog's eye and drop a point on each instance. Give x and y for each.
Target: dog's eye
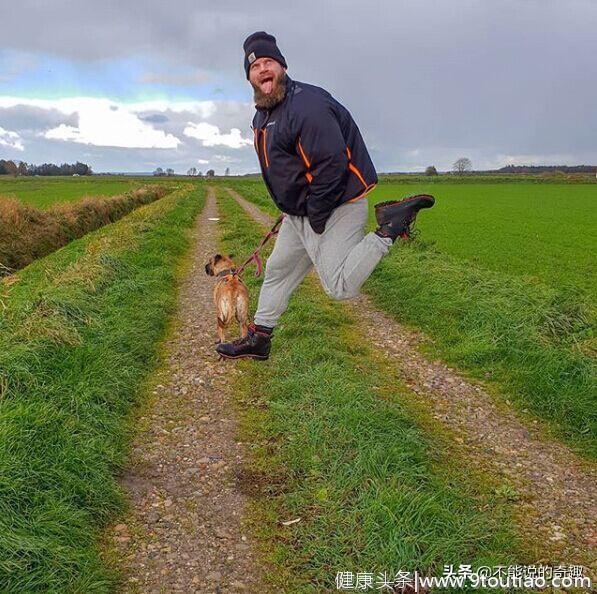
(217, 257)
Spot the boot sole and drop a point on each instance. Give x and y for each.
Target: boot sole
(259, 357)
(405, 200)
(380, 216)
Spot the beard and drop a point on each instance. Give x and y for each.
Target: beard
(268, 101)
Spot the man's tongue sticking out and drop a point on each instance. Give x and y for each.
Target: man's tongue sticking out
(267, 85)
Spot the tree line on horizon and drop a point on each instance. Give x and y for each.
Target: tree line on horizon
(23, 168)
(464, 165)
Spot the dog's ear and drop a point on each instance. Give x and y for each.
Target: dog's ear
(217, 257)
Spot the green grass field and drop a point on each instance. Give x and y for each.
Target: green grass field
(541, 232)
(465, 283)
(41, 192)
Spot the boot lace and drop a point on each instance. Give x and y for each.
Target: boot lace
(243, 340)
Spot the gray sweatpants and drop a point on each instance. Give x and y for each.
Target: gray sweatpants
(343, 256)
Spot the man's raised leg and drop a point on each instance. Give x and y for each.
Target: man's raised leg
(343, 254)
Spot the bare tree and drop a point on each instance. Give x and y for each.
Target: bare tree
(169, 171)
(192, 171)
(431, 170)
(227, 172)
(462, 165)
(210, 173)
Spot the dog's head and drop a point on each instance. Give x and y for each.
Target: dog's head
(218, 263)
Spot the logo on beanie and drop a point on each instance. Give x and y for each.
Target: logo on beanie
(251, 57)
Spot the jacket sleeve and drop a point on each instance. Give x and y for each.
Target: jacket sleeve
(321, 146)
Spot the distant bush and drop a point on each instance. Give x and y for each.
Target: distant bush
(27, 233)
(431, 170)
(558, 174)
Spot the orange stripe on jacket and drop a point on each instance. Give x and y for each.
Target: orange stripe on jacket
(303, 155)
(363, 194)
(355, 170)
(265, 147)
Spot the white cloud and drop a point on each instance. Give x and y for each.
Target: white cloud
(202, 161)
(101, 123)
(10, 139)
(210, 135)
(204, 109)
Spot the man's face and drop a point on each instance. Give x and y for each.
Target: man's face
(265, 75)
(268, 79)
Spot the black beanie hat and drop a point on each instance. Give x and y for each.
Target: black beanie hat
(261, 45)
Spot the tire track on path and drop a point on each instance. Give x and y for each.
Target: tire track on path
(554, 490)
(184, 532)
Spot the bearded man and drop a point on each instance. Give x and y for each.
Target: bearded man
(317, 170)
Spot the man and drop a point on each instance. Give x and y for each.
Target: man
(318, 171)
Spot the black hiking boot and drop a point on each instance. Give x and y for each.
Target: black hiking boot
(396, 217)
(255, 345)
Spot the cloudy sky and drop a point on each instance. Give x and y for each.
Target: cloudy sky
(130, 85)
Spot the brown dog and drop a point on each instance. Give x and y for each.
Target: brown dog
(230, 295)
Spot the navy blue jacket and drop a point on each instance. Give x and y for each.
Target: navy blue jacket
(312, 155)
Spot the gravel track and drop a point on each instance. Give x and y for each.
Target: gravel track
(185, 528)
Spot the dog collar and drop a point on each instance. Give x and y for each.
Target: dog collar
(226, 272)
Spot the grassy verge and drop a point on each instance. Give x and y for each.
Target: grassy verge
(78, 333)
(532, 341)
(335, 444)
(28, 233)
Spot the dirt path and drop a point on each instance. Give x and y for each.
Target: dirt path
(185, 533)
(555, 491)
